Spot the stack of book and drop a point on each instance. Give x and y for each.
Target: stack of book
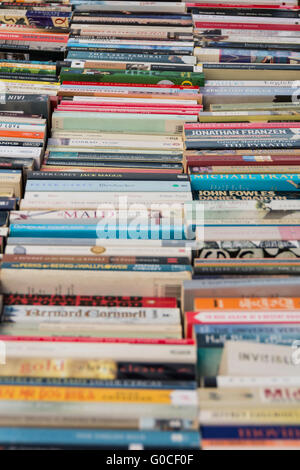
(248, 368)
(241, 41)
(33, 36)
(23, 138)
(156, 246)
(34, 31)
(242, 306)
(97, 254)
(96, 393)
(126, 92)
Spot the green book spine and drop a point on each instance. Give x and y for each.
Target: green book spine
(112, 122)
(284, 106)
(134, 76)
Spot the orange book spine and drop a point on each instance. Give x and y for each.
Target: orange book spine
(248, 303)
(22, 134)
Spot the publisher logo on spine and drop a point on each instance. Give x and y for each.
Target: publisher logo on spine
(296, 353)
(2, 353)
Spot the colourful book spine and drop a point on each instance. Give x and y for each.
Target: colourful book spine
(263, 182)
(101, 438)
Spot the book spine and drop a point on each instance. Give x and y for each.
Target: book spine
(69, 215)
(251, 433)
(196, 170)
(290, 269)
(235, 144)
(94, 383)
(108, 315)
(39, 281)
(98, 267)
(118, 156)
(244, 11)
(227, 55)
(34, 175)
(97, 395)
(127, 185)
(259, 160)
(114, 340)
(250, 252)
(102, 165)
(148, 231)
(71, 438)
(94, 259)
(89, 301)
(7, 205)
(240, 318)
(128, 58)
(263, 196)
(132, 123)
(264, 329)
(200, 24)
(216, 341)
(85, 373)
(245, 182)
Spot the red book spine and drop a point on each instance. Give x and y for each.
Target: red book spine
(283, 6)
(63, 300)
(238, 318)
(128, 110)
(34, 37)
(60, 339)
(109, 170)
(113, 104)
(241, 161)
(254, 26)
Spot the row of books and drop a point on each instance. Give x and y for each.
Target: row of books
(155, 249)
(241, 307)
(104, 219)
(247, 361)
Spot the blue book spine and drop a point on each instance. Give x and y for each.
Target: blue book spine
(11, 172)
(216, 340)
(94, 383)
(7, 205)
(251, 432)
(51, 14)
(257, 182)
(115, 46)
(161, 268)
(101, 231)
(248, 328)
(99, 438)
(126, 57)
